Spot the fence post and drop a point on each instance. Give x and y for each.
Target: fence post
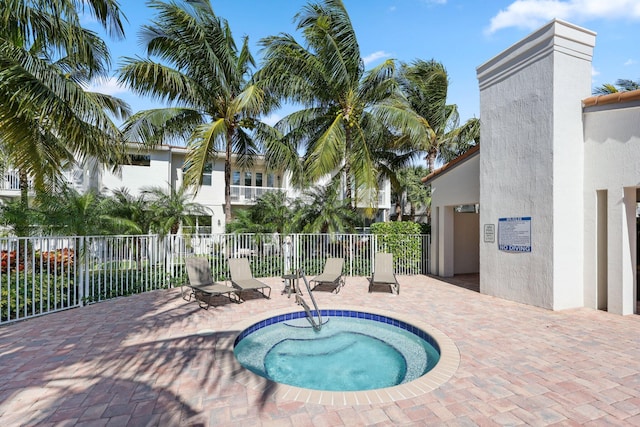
(427, 254)
(84, 270)
(295, 244)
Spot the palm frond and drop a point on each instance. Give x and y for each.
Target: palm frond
(325, 153)
(161, 126)
(202, 149)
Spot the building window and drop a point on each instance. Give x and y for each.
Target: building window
(235, 178)
(271, 180)
(139, 160)
(258, 179)
(247, 179)
(206, 175)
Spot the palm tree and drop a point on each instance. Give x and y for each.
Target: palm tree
(321, 210)
(460, 140)
(70, 213)
(425, 84)
(206, 76)
(272, 213)
(622, 85)
(273, 210)
(170, 209)
(346, 114)
(46, 58)
(245, 221)
(128, 214)
(409, 189)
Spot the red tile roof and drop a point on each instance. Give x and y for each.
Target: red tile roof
(472, 151)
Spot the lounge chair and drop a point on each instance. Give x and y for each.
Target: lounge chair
(242, 279)
(331, 278)
(201, 285)
(383, 273)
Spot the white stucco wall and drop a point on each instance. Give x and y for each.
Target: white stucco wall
(458, 186)
(531, 163)
(135, 178)
(612, 165)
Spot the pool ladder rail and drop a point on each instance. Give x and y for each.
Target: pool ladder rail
(317, 325)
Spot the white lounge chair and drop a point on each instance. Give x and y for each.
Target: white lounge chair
(201, 285)
(383, 273)
(331, 277)
(242, 279)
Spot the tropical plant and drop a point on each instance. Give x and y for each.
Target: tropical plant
(347, 116)
(408, 189)
(460, 140)
(272, 213)
(621, 85)
(322, 210)
(274, 210)
(48, 119)
(206, 78)
(425, 84)
(19, 220)
(69, 213)
(127, 214)
(170, 209)
(245, 221)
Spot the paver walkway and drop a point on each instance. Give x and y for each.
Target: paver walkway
(149, 360)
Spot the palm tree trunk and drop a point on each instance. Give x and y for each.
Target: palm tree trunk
(227, 181)
(431, 160)
(22, 227)
(347, 168)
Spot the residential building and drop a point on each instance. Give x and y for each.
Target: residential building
(163, 166)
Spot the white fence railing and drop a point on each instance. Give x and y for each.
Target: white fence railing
(46, 274)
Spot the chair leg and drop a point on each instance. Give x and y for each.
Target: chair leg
(188, 294)
(200, 296)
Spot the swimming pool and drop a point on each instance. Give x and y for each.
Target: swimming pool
(353, 351)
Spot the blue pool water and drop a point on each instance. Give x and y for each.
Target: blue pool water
(353, 351)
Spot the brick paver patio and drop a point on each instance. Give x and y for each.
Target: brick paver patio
(149, 360)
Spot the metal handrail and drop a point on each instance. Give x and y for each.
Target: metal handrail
(303, 303)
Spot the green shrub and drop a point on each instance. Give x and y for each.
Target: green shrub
(403, 240)
(29, 294)
(105, 284)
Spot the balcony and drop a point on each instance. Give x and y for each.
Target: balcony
(10, 183)
(248, 195)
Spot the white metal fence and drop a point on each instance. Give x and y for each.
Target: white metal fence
(46, 274)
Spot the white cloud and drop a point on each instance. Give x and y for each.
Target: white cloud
(108, 86)
(594, 72)
(375, 56)
(630, 62)
(436, 1)
(530, 14)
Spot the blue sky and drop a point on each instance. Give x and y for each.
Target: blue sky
(462, 34)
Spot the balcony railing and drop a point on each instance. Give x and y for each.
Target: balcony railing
(11, 181)
(241, 194)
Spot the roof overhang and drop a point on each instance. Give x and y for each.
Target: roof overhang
(472, 152)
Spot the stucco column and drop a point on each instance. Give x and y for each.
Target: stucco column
(446, 241)
(621, 253)
(532, 164)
